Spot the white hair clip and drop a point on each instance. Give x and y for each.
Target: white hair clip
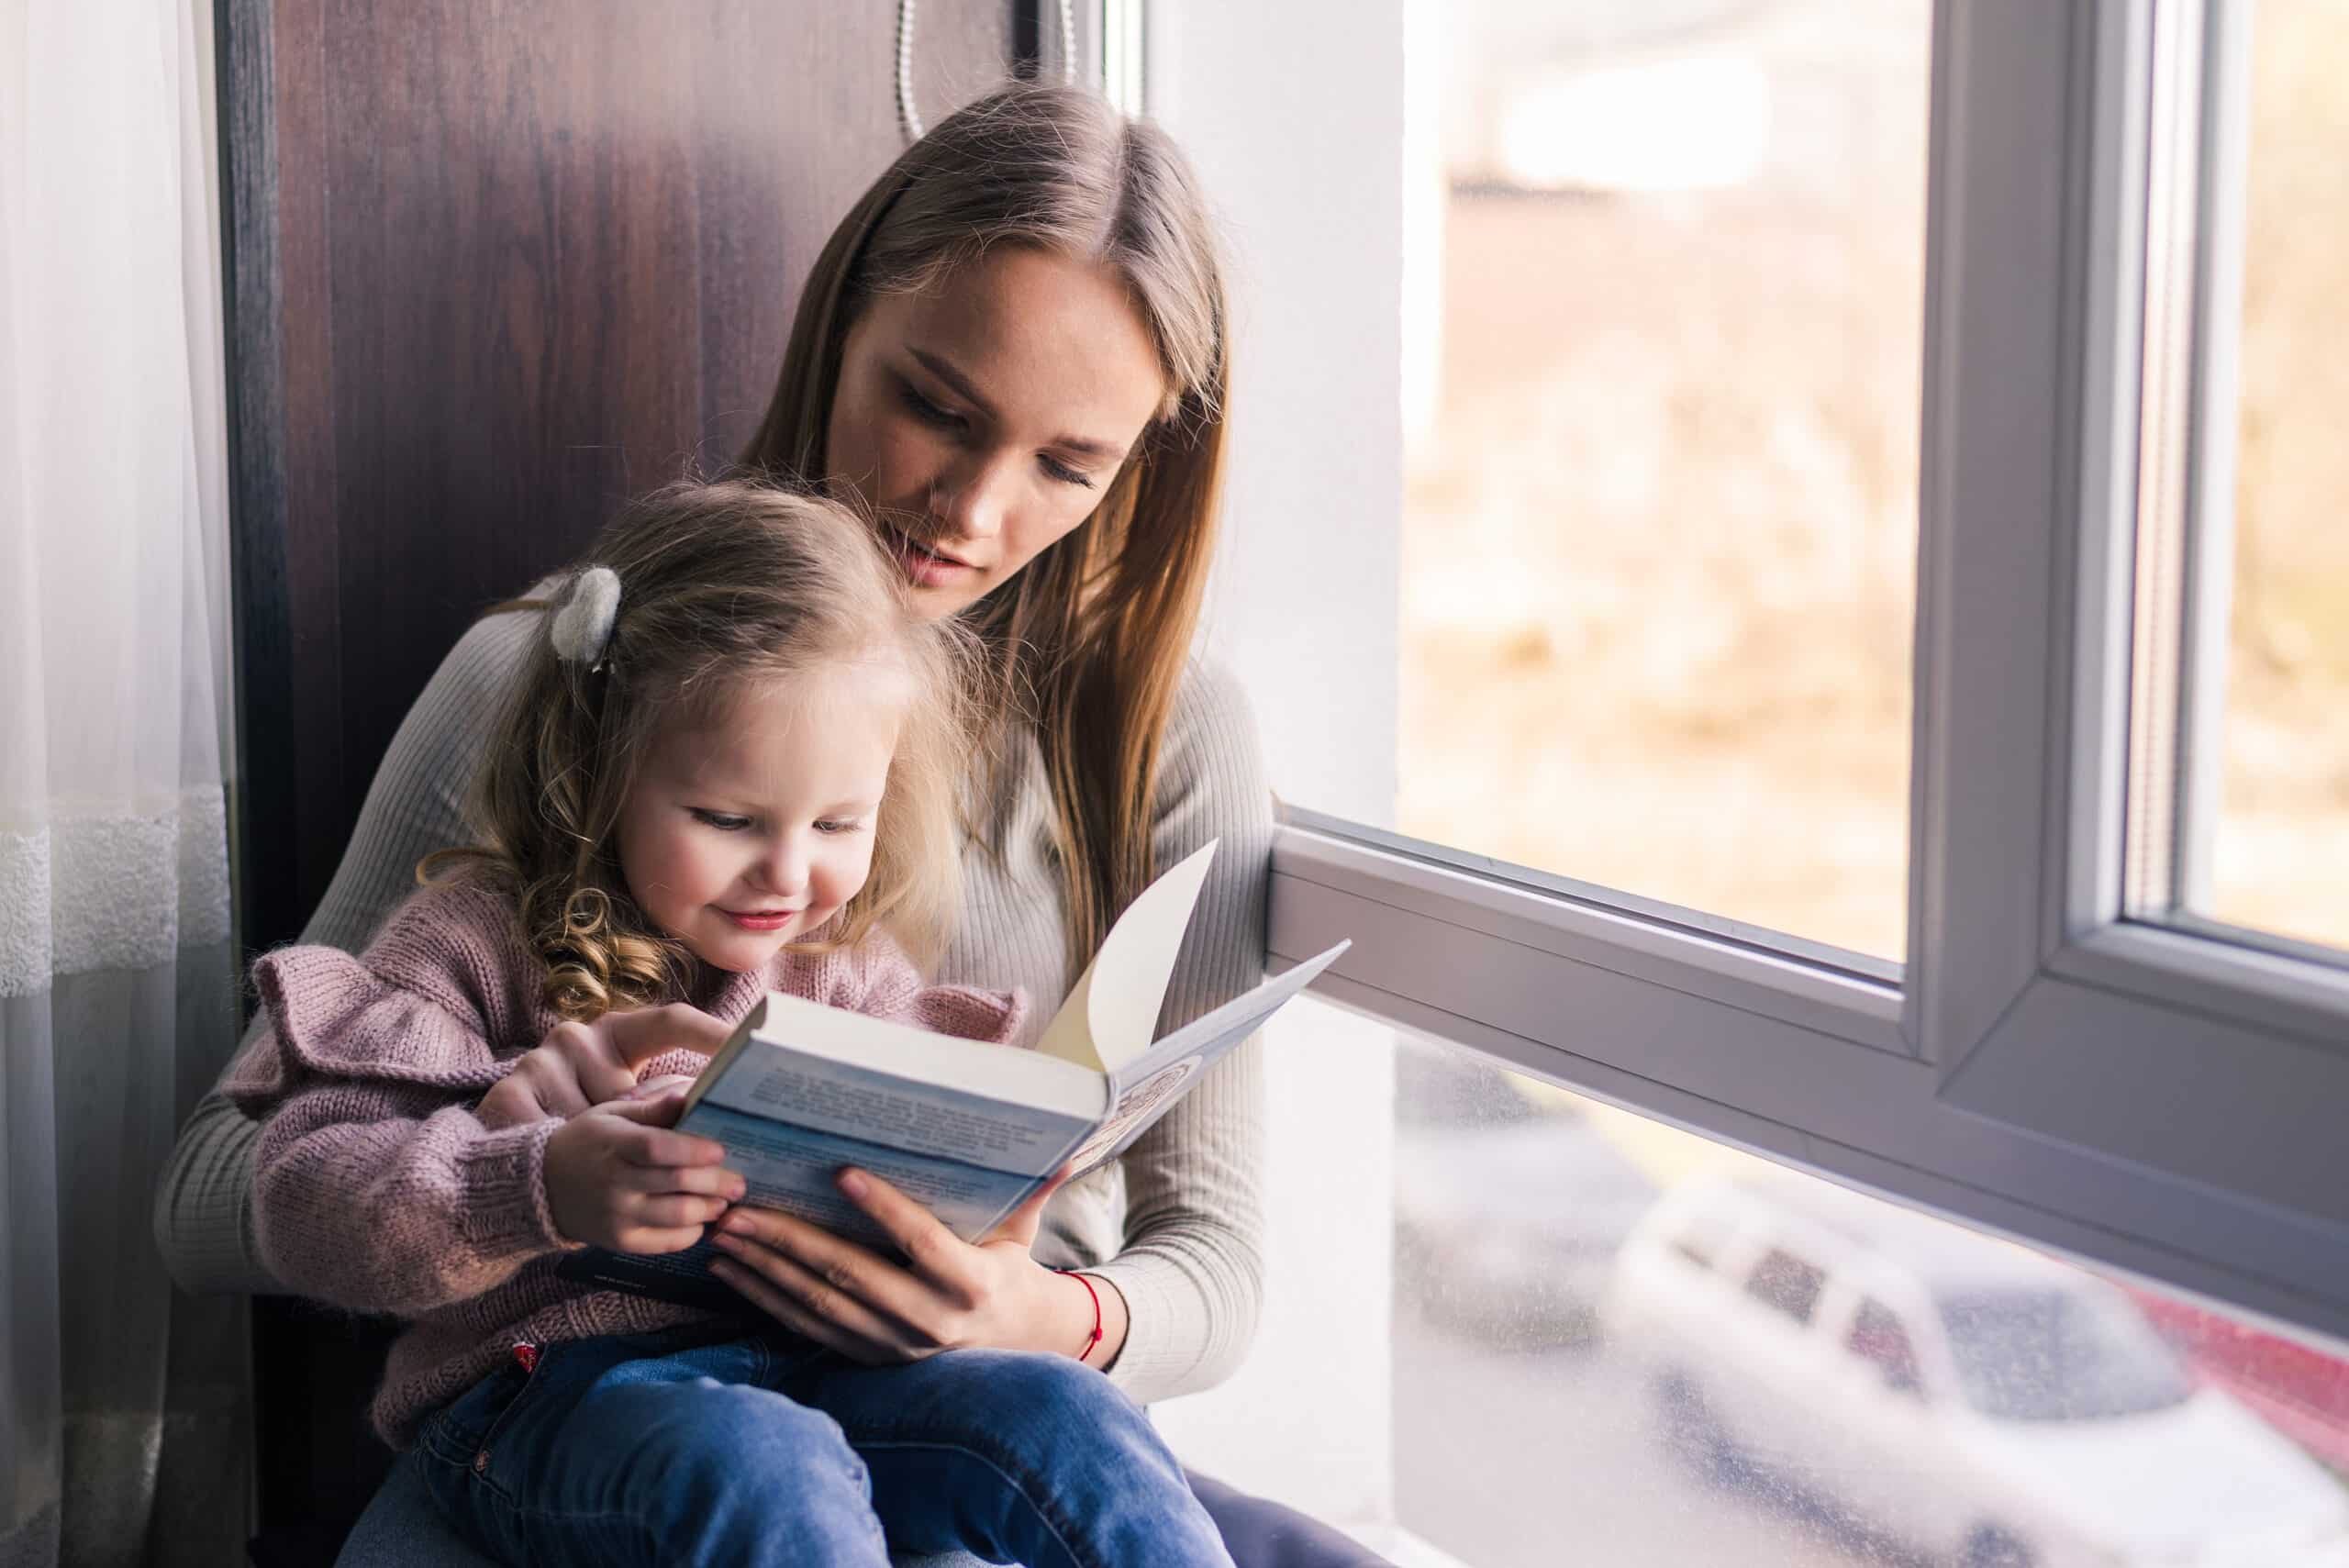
(582, 628)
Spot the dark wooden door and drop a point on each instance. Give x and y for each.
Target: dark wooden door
(493, 265)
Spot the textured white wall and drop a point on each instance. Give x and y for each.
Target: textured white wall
(1294, 115)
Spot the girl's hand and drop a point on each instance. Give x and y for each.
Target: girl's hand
(950, 1293)
(579, 1065)
(619, 1177)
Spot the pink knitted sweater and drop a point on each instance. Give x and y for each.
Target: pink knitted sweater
(376, 1188)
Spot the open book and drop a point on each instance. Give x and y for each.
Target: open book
(968, 1129)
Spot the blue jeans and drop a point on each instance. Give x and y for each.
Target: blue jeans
(676, 1447)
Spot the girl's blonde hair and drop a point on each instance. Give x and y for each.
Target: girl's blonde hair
(1089, 640)
(723, 585)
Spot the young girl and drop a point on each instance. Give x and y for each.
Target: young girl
(730, 766)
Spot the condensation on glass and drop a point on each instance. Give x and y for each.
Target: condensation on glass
(1663, 326)
(1616, 1342)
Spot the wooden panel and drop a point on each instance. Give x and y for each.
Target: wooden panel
(492, 268)
(498, 267)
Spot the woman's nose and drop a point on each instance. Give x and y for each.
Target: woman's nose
(972, 501)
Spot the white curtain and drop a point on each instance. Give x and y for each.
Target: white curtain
(125, 1436)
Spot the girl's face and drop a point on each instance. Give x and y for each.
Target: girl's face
(984, 417)
(747, 833)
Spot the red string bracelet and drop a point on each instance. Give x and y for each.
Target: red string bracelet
(1096, 1337)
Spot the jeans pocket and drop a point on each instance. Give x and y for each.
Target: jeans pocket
(462, 1433)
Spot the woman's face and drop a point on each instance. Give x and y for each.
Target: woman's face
(983, 418)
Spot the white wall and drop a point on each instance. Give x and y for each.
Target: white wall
(1293, 114)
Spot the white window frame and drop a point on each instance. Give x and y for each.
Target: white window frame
(2150, 1097)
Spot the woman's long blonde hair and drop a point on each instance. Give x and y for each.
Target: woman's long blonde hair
(723, 585)
(1090, 642)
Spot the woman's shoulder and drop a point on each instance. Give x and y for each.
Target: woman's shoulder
(416, 803)
(483, 663)
(1211, 779)
(453, 718)
(1211, 700)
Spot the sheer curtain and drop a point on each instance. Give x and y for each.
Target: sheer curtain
(125, 1431)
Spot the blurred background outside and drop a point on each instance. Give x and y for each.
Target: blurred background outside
(1663, 318)
(1663, 351)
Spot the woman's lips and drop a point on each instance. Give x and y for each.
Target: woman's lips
(926, 566)
(761, 919)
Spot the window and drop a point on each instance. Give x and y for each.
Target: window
(1702, 1239)
(1786, 1284)
(1979, 1074)
(1559, 1395)
(1660, 483)
(2039, 1039)
(2239, 764)
(2053, 1355)
(1878, 1339)
(2280, 858)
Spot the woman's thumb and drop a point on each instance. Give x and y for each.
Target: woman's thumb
(1023, 1223)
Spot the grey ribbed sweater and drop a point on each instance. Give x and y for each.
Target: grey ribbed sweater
(1175, 1223)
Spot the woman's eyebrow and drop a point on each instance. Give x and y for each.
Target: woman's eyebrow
(1079, 446)
(955, 379)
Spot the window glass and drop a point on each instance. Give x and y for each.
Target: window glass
(1878, 1339)
(1560, 1393)
(1702, 1239)
(2031, 1354)
(1785, 1282)
(2281, 857)
(1663, 388)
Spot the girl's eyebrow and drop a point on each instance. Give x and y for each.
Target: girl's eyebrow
(1076, 446)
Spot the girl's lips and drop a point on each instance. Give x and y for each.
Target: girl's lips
(762, 919)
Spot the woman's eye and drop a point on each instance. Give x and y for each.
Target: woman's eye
(1063, 471)
(928, 413)
(725, 822)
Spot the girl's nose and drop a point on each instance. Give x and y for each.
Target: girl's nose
(783, 868)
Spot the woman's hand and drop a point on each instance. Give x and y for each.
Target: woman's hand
(949, 1295)
(619, 1177)
(579, 1065)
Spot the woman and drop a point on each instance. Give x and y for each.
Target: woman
(1013, 350)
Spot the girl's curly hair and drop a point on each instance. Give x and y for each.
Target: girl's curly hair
(724, 584)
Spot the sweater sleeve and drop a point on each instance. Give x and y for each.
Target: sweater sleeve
(879, 979)
(202, 1217)
(374, 1185)
(1192, 1273)
(383, 1198)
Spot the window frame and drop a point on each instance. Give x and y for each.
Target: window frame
(2031, 1068)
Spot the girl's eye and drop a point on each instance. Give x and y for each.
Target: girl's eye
(725, 822)
(838, 826)
(928, 413)
(1063, 471)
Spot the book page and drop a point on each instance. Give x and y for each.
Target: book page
(1147, 1087)
(1109, 1017)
